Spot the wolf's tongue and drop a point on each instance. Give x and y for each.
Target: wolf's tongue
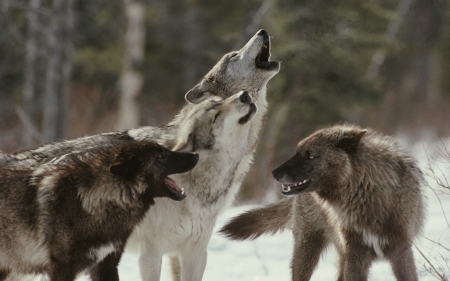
(173, 187)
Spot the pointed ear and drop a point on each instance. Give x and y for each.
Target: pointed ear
(197, 94)
(185, 137)
(126, 169)
(350, 139)
(185, 143)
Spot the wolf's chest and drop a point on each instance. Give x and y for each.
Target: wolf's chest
(345, 222)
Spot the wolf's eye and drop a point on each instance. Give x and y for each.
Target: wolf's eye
(233, 55)
(309, 155)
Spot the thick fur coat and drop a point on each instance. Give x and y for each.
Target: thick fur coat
(219, 134)
(356, 189)
(77, 211)
(192, 130)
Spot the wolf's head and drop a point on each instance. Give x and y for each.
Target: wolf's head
(249, 69)
(123, 174)
(322, 160)
(149, 164)
(215, 123)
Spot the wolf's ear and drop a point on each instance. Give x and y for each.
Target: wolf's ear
(185, 137)
(126, 169)
(185, 144)
(197, 94)
(350, 139)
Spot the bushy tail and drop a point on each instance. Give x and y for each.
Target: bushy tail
(254, 223)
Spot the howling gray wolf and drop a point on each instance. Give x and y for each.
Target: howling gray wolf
(77, 211)
(249, 68)
(355, 189)
(219, 132)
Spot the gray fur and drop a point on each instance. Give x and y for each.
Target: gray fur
(213, 129)
(357, 190)
(214, 188)
(220, 139)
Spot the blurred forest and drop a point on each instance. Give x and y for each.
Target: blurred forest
(69, 68)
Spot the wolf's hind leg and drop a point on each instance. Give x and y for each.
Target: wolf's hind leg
(307, 250)
(403, 264)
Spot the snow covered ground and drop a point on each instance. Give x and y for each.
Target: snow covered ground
(268, 258)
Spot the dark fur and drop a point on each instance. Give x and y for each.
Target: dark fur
(358, 191)
(254, 223)
(80, 202)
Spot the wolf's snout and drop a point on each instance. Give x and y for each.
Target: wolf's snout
(262, 32)
(245, 97)
(277, 174)
(183, 162)
(195, 157)
(281, 174)
(192, 160)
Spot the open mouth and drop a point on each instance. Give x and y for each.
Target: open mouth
(262, 59)
(294, 188)
(244, 119)
(173, 187)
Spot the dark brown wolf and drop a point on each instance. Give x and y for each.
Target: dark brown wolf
(356, 189)
(76, 212)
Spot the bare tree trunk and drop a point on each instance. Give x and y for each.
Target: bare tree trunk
(30, 87)
(59, 67)
(131, 80)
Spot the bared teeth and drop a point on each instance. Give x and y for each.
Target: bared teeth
(287, 187)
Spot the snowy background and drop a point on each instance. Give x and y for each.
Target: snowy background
(268, 258)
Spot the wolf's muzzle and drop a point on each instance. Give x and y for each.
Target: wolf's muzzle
(245, 98)
(264, 33)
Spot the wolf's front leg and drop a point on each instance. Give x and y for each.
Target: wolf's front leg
(60, 271)
(307, 251)
(193, 262)
(150, 262)
(4, 273)
(106, 270)
(356, 259)
(402, 263)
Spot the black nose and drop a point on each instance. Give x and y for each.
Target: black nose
(262, 32)
(245, 97)
(275, 174)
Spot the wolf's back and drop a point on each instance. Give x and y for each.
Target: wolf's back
(265, 220)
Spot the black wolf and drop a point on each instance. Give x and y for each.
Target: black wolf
(77, 211)
(356, 189)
